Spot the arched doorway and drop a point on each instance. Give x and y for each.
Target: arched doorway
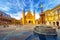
(57, 23)
(54, 23)
(29, 21)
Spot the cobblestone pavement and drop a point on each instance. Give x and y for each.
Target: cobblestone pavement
(20, 32)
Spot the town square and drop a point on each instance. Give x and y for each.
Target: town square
(30, 20)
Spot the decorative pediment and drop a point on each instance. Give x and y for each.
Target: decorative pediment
(29, 15)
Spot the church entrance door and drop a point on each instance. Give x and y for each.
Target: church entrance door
(29, 21)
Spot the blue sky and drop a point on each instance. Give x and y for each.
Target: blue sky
(14, 7)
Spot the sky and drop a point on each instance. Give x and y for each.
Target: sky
(14, 7)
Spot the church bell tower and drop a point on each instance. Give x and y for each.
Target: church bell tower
(23, 17)
(34, 16)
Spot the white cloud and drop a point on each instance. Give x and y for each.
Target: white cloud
(17, 15)
(51, 4)
(9, 4)
(37, 16)
(5, 8)
(20, 6)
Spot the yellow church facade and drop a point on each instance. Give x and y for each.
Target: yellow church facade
(28, 18)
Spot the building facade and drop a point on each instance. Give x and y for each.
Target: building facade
(28, 18)
(5, 18)
(52, 17)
